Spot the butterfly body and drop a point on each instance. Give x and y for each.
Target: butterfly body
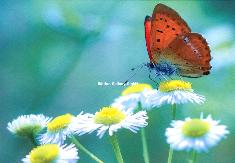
(171, 46)
(163, 68)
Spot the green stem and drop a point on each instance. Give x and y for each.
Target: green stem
(116, 148)
(144, 140)
(173, 111)
(145, 146)
(81, 147)
(170, 155)
(32, 139)
(194, 156)
(171, 151)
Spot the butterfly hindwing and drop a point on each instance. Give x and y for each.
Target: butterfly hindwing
(190, 53)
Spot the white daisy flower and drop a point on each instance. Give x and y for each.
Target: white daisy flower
(175, 92)
(195, 134)
(133, 95)
(111, 119)
(28, 125)
(58, 129)
(52, 153)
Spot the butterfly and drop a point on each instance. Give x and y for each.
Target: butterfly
(172, 48)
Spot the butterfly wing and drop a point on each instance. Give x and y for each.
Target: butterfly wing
(166, 25)
(190, 53)
(147, 27)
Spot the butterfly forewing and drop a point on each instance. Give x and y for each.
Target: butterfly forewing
(166, 25)
(147, 27)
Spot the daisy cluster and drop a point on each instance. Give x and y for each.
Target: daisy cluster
(50, 134)
(191, 134)
(128, 111)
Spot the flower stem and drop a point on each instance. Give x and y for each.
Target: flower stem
(170, 155)
(194, 156)
(81, 147)
(173, 111)
(145, 146)
(171, 151)
(116, 148)
(32, 139)
(144, 140)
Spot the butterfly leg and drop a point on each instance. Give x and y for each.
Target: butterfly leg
(163, 76)
(180, 77)
(170, 77)
(157, 84)
(150, 77)
(177, 73)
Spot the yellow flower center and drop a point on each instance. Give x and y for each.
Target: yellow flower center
(173, 85)
(44, 154)
(109, 115)
(59, 123)
(195, 128)
(136, 89)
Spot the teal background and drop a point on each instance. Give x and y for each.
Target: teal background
(53, 54)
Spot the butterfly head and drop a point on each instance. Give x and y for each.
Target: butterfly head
(147, 18)
(163, 68)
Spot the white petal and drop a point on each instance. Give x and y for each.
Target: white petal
(179, 141)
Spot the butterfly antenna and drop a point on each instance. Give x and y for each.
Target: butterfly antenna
(136, 70)
(138, 67)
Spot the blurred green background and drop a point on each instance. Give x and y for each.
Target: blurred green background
(53, 54)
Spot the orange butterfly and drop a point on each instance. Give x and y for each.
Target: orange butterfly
(172, 48)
